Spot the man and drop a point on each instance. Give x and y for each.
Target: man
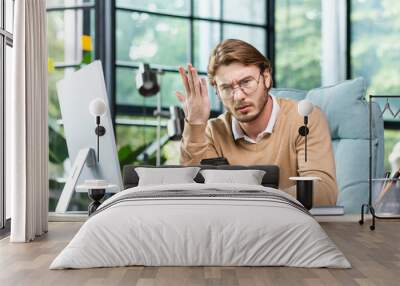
(257, 128)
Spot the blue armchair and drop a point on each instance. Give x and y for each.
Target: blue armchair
(347, 111)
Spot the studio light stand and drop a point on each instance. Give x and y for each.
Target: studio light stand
(148, 85)
(175, 125)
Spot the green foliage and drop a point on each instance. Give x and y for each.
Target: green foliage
(298, 44)
(86, 59)
(58, 150)
(133, 140)
(55, 189)
(375, 52)
(128, 156)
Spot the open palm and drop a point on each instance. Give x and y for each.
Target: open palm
(195, 101)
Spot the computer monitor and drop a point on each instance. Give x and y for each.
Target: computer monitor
(75, 92)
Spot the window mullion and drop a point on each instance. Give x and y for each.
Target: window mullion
(191, 32)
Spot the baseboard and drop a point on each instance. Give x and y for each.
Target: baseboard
(68, 217)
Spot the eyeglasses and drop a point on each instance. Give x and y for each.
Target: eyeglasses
(247, 85)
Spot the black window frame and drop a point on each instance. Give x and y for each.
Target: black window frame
(106, 52)
(133, 110)
(105, 42)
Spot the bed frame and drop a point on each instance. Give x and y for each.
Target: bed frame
(270, 179)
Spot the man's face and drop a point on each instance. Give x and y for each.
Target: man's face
(244, 106)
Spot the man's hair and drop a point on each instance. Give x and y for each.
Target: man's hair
(236, 51)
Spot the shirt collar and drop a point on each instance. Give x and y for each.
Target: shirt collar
(238, 131)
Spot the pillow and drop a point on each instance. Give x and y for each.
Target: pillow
(345, 108)
(289, 93)
(162, 176)
(249, 177)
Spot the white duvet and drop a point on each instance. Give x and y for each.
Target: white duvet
(183, 231)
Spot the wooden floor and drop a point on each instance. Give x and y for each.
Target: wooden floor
(374, 255)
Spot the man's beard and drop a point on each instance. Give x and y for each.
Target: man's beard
(245, 118)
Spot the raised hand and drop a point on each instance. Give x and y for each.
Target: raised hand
(195, 101)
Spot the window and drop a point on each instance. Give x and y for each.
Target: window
(375, 46)
(168, 34)
(375, 55)
(165, 34)
(71, 43)
(6, 43)
(298, 43)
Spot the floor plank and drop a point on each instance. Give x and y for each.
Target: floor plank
(374, 255)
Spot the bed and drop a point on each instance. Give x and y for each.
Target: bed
(201, 224)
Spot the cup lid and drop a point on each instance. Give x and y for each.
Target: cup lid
(305, 178)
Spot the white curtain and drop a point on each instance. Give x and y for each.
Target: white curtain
(26, 123)
(333, 33)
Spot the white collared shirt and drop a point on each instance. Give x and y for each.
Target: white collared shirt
(238, 132)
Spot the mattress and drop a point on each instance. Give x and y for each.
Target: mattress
(201, 225)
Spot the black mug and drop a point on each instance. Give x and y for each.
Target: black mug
(304, 193)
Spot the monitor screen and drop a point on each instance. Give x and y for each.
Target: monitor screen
(75, 92)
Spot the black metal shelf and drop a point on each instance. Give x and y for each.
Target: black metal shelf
(368, 206)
